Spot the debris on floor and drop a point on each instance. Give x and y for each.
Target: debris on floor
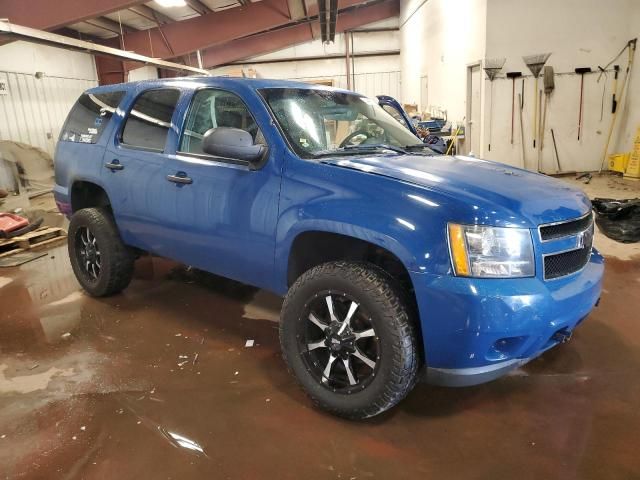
(618, 219)
(40, 237)
(249, 343)
(586, 177)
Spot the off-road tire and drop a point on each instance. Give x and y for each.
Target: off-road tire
(394, 326)
(117, 260)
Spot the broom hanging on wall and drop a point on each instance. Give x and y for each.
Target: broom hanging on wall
(492, 67)
(535, 64)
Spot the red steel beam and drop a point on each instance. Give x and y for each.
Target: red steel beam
(49, 15)
(181, 38)
(268, 42)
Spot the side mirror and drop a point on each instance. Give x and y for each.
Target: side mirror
(232, 143)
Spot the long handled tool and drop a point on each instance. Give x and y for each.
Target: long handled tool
(581, 71)
(631, 46)
(455, 137)
(549, 85)
(492, 67)
(604, 86)
(535, 64)
(513, 76)
(614, 105)
(524, 163)
(555, 147)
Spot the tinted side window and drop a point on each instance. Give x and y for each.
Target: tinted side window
(149, 121)
(90, 116)
(212, 109)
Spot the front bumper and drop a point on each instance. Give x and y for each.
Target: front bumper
(476, 330)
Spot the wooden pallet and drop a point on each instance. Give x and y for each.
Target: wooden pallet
(44, 236)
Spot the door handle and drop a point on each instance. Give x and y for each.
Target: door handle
(114, 165)
(180, 178)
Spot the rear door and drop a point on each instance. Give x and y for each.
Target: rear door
(133, 172)
(82, 142)
(224, 214)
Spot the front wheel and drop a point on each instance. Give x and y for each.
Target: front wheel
(102, 263)
(347, 336)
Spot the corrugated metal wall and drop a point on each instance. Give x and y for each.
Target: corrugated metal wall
(34, 109)
(369, 84)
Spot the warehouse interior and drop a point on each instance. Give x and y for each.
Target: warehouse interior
(181, 375)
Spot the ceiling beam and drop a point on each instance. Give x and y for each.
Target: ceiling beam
(50, 15)
(181, 38)
(253, 45)
(332, 56)
(150, 14)
(198, 7)
(19, 32)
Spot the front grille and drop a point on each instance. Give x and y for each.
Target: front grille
(565, 263)
(565, 229)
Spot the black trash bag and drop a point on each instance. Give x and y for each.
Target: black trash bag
(618, 219)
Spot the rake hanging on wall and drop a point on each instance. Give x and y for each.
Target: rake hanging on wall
(492, 67)
(535, 64)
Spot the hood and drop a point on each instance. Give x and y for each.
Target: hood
(511, 195)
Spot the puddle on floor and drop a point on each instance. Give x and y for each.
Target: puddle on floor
(157, 382)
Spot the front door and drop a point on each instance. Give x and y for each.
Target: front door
(134, 171)
(223, 211)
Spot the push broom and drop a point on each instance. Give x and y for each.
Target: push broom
(535, 64)
(492, 67)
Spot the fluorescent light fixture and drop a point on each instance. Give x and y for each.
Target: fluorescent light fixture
(171, 3)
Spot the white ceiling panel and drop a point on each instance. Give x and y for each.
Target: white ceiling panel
(175, 13)
(131, 19)
(91, 30)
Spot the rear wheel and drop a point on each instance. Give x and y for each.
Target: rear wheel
(347, 336)
(102, 264)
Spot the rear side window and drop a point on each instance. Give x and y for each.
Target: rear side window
(149, 121)
(90, 116)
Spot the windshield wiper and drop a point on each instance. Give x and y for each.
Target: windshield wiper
(376, 146)
(419, 146)
(356, 149)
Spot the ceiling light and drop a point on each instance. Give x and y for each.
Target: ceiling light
(171, 3)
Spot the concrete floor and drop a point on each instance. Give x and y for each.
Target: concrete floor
(157, 383)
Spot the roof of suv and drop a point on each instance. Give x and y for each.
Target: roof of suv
(200, 81)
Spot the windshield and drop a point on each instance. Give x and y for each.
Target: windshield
(323, 122)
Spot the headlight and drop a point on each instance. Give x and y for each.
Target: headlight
(494, 252)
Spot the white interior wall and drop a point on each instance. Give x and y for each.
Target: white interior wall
(578, 33)
(143, 73)
(33, 110)
(373, 75)
(630, 117)
(439, 39)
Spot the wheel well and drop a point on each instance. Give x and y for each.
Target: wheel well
(86, 195)
(310, 249)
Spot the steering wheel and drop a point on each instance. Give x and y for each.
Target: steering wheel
(351, 136)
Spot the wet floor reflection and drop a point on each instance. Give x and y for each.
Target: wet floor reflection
(157, 382)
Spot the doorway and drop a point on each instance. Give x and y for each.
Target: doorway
(474, 87)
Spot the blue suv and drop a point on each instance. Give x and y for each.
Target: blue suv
(395, 262)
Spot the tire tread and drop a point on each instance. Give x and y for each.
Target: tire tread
(381, 286)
